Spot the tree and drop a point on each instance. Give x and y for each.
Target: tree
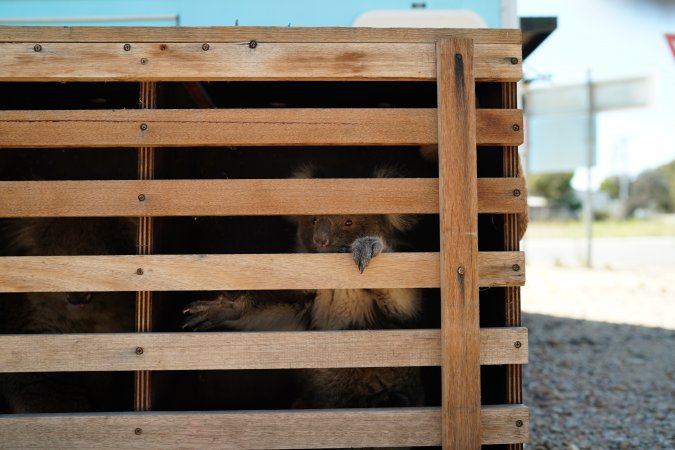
(556, 188)
(612, 186)
(651, 190)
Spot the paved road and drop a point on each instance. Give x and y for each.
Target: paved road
(617, 253)
(632, 282)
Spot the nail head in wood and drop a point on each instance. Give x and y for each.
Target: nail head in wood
(141, 197)
(517, 344)
(127, 47)
(515, 267)
(205, 47)
(253, 44)
(144, 126)
(144, 60)
(516, 192)
(514, 61)
(460, 270)
(519, 423)
(162, 47)
(139, 271)
(516, 127)
(139, 350)
(138, 431)
(37, 48)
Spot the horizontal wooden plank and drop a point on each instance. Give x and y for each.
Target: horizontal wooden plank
(397, 427)
(243, 127)
(240, 61)
(103, 198)
(245, 350)
(241, 272)
(260, 34)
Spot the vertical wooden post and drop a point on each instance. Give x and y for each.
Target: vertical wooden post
(512, 243)
(459, 245)
(146, 171)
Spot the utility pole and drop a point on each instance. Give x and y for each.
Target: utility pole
(588, 204)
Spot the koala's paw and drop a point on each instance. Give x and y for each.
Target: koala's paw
(207, 314)
(366, 248)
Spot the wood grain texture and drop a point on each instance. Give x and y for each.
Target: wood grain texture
(399, 427)
(240, 272)
(245, 350)
(458, 210)
(144, 246)
(243, 127)
(349, 61)
(260, 34)
(107, 198)
(513, 233)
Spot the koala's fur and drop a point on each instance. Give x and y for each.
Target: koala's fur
(364, 236)
(60, 312)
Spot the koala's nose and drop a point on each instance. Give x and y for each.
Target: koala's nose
(321, 240)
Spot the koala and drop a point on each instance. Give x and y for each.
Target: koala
(365, 237)
(65, 312)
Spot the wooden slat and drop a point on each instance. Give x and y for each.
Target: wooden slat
(458, 211)
(245, 350)
(260, 34)
(243, 127)
(240, 272)
(400, 427)
(239, 61)
(107, 198)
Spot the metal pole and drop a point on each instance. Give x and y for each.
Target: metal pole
(588, 207)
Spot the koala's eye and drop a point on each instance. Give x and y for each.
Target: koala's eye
(348, 222)
(314, 220)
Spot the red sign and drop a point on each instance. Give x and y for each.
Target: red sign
(671, 41)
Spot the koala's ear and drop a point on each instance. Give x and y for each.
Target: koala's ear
(306, 170)
(402, 222)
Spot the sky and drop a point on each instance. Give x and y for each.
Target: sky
(615, 39)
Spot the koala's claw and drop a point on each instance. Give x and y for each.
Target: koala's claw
(366, 248)
(208, 314)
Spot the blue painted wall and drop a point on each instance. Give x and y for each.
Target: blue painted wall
(299, 13)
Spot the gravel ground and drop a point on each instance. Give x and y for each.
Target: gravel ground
(602, 350)
(596, 385)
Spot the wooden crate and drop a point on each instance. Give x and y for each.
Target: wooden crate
(457, 63)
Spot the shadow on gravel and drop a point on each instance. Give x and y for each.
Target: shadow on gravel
(597, 385)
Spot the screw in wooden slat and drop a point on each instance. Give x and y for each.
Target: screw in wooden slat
(139, 271)
(516, 192)
(460, 270)
(139, 350)
(253, 44)
(515, 127)
(127, 47)
(141, 197)
(138, 431)
(515, 267)
(206, 47)
(144, 60)
(37, 48)
(517, 344)
(519, 423)
(514, 61)
(144, 126)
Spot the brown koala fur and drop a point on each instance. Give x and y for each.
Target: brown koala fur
(59, 312)
(365, 236)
